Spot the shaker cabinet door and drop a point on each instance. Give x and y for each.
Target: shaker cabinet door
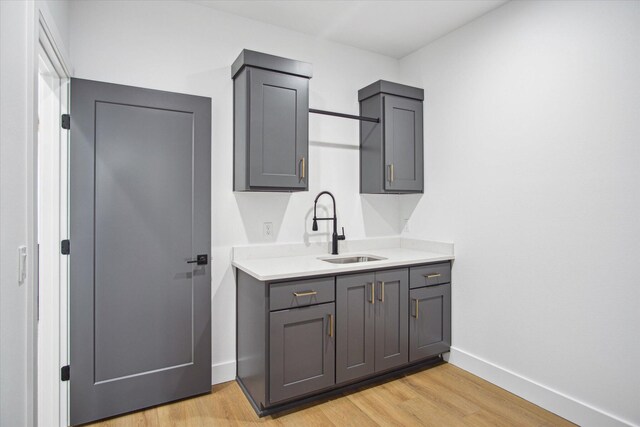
(403, 144)
(355, 306)
(391, 319)
(278, 130)
(301, 351)
(430, 321)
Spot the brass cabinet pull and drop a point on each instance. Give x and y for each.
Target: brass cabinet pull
(417, 302)
(391, 173)
(305, 294)
(373, 293)
(381, 291)
(303, 168)
(432, 276)
(331, 325)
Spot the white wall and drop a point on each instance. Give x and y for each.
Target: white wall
(532, 151)
(184, 47)
(14, 76)
(18, 41)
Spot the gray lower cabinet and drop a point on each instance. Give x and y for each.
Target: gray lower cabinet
(271, 121)
(301, 351)
(355, 306)
(372, 323)
(392, 319)
(299, 338)
(430, 323)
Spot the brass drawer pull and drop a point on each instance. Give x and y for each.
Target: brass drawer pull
(305, 294)
(331, 325)
(373, 292)
(303, 169)
(432, 276)
(417, 305)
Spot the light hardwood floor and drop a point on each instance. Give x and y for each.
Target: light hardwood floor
(440, 396)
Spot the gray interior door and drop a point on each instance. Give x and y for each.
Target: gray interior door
(140, 313)
(392, 329)
(278, 130)
(301, 351)
(355, 306)
(403, 144)
(430, 323)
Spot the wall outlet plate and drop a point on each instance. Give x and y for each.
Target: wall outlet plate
(267, 230)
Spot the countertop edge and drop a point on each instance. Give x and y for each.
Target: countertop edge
(375, 265)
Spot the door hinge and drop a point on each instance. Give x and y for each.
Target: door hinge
(66, 121)
(64, 373)
(65, 247)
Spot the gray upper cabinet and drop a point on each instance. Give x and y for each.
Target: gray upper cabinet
(391, 152)
(271, 123)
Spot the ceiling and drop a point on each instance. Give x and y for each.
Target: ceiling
(392, 28)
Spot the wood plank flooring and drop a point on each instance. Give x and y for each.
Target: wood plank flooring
(440, 396)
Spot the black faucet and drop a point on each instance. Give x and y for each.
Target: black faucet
(335, 236)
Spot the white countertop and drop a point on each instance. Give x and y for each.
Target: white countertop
(276, 262)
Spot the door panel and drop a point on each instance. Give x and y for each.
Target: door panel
(301, 351)
(391, 319)
(140, 208)
(278, 129)
(355, 326)
(430, 325)
(403, 144)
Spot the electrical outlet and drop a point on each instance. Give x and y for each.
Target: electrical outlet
(267, 230)
(405, 228)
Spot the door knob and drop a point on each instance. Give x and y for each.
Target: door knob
(202, 259)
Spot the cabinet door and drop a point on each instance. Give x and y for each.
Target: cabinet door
(391, 319)
(355, 306)
(301, 351)
(403, 145)
(278, 130)
(430, 322)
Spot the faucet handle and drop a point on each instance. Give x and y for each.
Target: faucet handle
(342, 236)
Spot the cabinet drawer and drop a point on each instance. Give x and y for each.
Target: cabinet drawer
(429, 275)
(301, 293)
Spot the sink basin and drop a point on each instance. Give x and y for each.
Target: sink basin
(352, 259)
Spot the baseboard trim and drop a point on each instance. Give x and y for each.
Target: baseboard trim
(223, 372)
(559, 403)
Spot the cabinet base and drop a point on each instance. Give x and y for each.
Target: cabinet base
(344, 389)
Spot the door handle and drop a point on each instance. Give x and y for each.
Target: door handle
(331, 325)
(381, 297)
(202, 259)
(303, 168)
(417, 305)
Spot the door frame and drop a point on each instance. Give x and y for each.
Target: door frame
(45, 43)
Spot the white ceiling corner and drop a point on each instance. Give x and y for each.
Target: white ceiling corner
(391, 28)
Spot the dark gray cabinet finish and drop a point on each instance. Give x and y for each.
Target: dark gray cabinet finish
(355, 309)
(429, 275)
(301, 351)
(391, 152)
(391, 319)
(372, 323)
(300, 338)
(271, 123)
(301, 293)
(430, 323)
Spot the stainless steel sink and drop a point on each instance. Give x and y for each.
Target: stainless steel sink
(352, 259)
